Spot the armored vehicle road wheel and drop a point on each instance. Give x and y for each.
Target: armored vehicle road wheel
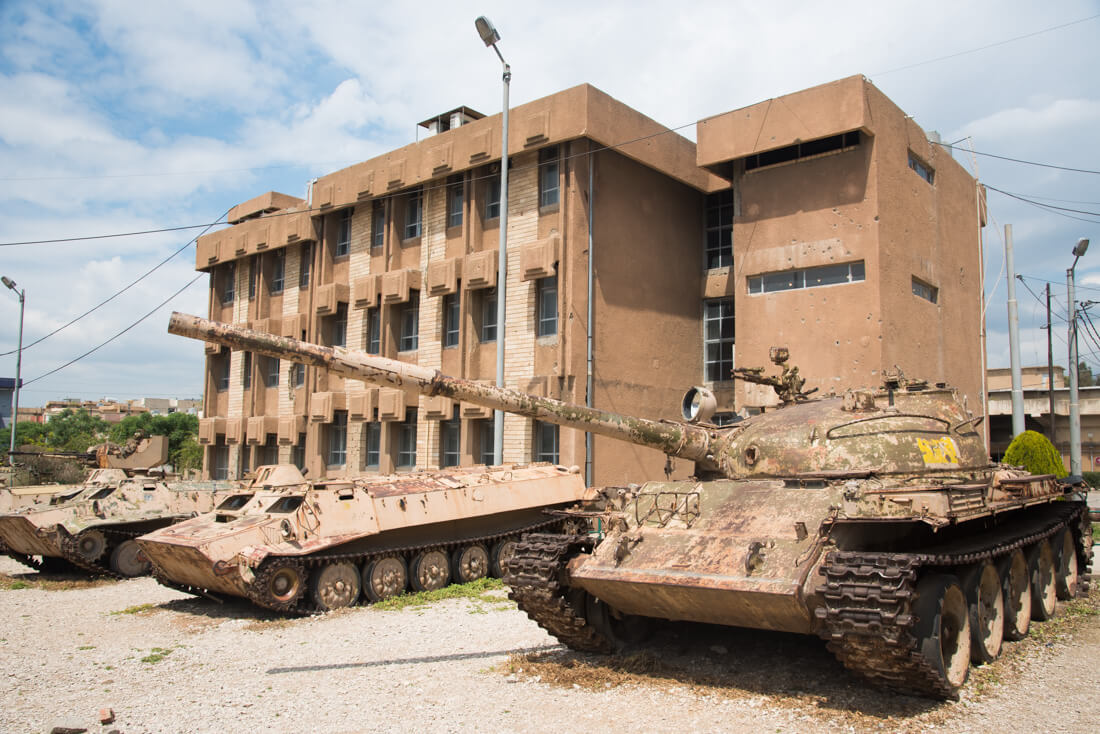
(1065, 565)
(128, 560)
(278, 584)
(91, 544)
(385, 577)
(430, 570)
(1016, 582)
(469, 564)
(985, 599)
(1040, 564)
(943, 630)
(335, 586)
(502, 552)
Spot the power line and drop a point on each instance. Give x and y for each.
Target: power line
(988, 46)
(1045, 206)
(98, 347)
(1015, 160)
(113, 297)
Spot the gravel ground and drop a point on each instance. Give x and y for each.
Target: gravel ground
(165, 662)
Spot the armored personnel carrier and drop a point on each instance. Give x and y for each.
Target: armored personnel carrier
(873, 519)
(298, 547)
(94, 530)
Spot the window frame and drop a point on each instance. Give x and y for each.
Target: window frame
(378, 225)
(719, 368)
(246, 371)
(546, 294)
(336, 440)
(549, 170)
(718, 232)
(408, 339)
(305, 264)
(271, 373)
(278, 273)
(252, 278)
(372, 445)
(414, 215)
(338, 326)
(450, 441)
(452, 320)
(925, 290)
(373, 338)
(486, 443)
(342, 246)
(229, 284)
(543, 433)
(488, 320)
(456, 200)
(492, 198)
(757, 284)
(922, 169)
(225, 371)
(405, 446)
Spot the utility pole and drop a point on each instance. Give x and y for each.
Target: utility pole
(1050, 373)
(1014, 338)
(1074, 406)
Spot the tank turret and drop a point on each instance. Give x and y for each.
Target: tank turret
(904, 427)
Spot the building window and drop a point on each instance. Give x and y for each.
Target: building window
(219, 459)
(298, 452)
(450, 433)
(803, 150)
(337, 326)
(372, 435)
(229, 283)
(719, 229)
(718, 339)
(378, 225)
(304, 265)
(455, 196)
(413, 212)
(251, 278)
(223, 369)
(546, 442)
(270, 451)
(492, 198)
(787, 280)
(548, 176)
(410, 324)
(299, 375)
(246, 456)
(923, 169)
(246, 375)
(487, 326)
(338, 439)
(450, 320)
(928, 292)
(271, 375)
(374, 331)
(546, 306)
(278, 272)
(406, 441)
(485, 431)
(343, 234)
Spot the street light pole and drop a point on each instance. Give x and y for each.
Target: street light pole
(1074, 407)
(18, 359)
(490, 36)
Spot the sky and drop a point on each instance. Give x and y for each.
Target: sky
(123, 117)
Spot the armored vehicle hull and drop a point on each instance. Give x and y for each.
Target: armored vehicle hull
(298, 547)
(95, 529)
(874, 519)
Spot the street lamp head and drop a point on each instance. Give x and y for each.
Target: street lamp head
(1081, 246)
(486, 30)
(11, 283)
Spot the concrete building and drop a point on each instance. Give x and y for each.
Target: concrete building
(822, 220)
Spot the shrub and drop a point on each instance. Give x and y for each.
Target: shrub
(1036, 453)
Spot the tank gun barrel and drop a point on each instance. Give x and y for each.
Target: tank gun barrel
(677, 439)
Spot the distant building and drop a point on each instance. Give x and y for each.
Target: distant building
(823, 220)
(7, 395)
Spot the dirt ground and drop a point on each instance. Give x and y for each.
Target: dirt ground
(167, 662)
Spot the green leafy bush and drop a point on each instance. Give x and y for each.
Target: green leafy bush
(1036, 453)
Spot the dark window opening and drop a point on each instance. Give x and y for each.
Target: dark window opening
(410, 324)
(286, 504)
(235, 502)
(548, 177)
(378, 225)
(450, 320)
(923, 169)
(455, 200)
(718, 339)
(926, 291)
(546, 306)
(343, 234)
(546, 442)
(305, 264)
(803, 150)
(719, 230)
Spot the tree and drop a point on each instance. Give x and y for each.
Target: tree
(180, 428)
(188, 456)
(1036, 453)
(74, 430)
(1085, 378)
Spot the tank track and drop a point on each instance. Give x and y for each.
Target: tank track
(867, 597)
(304, 605)
(71, 553)
(534, 577)
(30, 562)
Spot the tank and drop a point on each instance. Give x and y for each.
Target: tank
(872, 519)
(94, 530)
(298, 547)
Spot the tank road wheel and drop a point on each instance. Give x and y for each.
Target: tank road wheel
(91, 544)
(1040, 564)
(502, 553)
(469, 564)
(1065, 565)
(1016, 583)
(385, 577)
(943, 630)
(985, 599)
(279, 583)
(128, 560)
(336, 586)
(430, 570)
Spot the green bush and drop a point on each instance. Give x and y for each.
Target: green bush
(1092, 478)
(1036, 453)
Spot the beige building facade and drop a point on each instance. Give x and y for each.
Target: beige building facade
(823, 221)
